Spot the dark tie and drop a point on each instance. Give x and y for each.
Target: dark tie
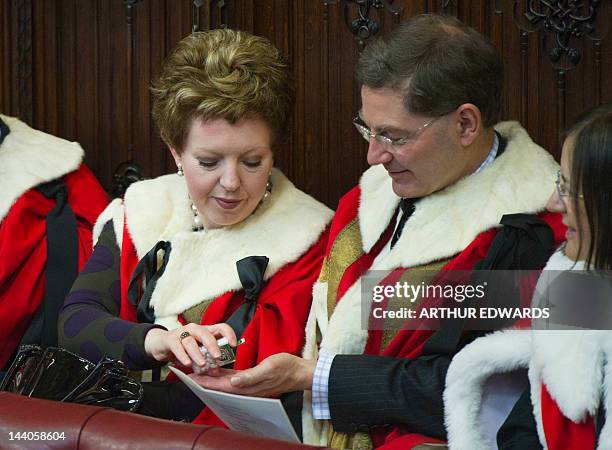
(407, 208)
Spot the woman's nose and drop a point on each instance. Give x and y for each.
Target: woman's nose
(230, 179)
(556, 203)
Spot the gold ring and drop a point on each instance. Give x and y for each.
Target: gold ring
(184, 334)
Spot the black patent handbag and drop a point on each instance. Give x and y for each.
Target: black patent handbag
(57, 374)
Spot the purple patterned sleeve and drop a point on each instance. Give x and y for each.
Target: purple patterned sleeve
(89, 322)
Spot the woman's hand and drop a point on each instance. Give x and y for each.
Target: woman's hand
(163, 345)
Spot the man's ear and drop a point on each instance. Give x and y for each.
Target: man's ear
(469, 123)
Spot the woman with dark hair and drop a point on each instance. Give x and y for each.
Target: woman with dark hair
(568, 362)
(587, 203)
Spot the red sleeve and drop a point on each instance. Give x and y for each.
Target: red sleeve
(23, 251)
(23, 256)
(85, 195)
(129, 260)
(87, 199)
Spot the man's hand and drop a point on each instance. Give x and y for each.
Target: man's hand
(275, 375)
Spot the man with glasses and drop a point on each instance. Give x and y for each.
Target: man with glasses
(443, 174)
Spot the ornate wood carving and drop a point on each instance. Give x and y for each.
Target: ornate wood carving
(449, 7)
(221, 5)
(199, 5)
(81, 90)
(561, 100)
(24, 59)
(125, 174)
(597, 63)
(499, 7)
(129, 6)
(524, 77)
(129, 15)
(564, 21)
(363, 27)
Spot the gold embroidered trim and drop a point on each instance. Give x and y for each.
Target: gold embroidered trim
(413, 276)
(195, 313)
(353, 441)
(324, 274)
(346, 249)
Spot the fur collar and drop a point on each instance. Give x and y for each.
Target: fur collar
(30, 157)
(503, 351)
(444, 223)
(560, 357)
(572, 363)
(520, 180)
(203, 264)
(575, 365)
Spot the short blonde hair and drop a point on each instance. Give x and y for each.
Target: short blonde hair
(221, 74)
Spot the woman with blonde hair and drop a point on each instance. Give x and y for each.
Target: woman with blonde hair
(226, 247)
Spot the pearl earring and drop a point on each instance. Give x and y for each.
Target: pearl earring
(180, 172)
(268, 190)
(197, 222)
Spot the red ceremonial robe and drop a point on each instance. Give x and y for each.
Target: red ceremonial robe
(448, 225)
(30, 158)
(289, 228)
(567, 375)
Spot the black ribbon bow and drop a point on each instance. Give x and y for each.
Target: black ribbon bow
(251, 272)
(147, 271)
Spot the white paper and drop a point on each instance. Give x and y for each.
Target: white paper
(254, 415)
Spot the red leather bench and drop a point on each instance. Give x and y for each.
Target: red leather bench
(90, 427)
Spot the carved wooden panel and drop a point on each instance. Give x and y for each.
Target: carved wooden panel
(81, 69)
(16, 67)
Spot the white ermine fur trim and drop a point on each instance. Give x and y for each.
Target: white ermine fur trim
(582, 381)
(560, 357)
(518, 181)
(30, 157)
(114, 212)
(314, 431)
(574, 365)
(605, 437)
(202, 264)
(503, 351)
(570, 363)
